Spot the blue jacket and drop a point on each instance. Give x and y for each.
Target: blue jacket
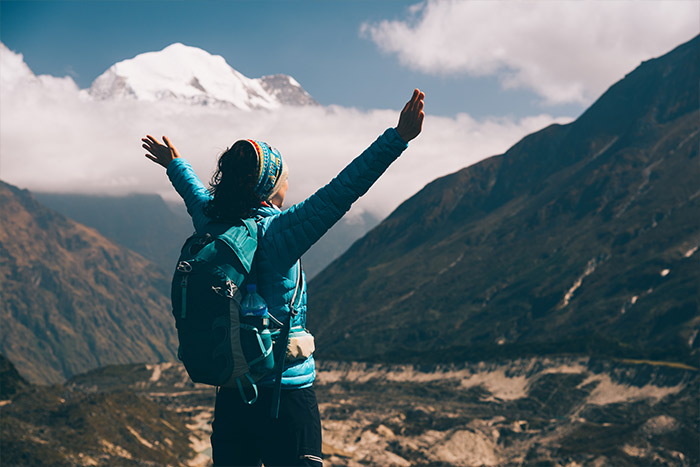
(284, 236)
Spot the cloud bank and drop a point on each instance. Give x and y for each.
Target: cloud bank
(53, 137)
(564, 51)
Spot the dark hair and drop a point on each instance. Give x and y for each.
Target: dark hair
(233, 184)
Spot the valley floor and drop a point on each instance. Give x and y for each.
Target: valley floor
(540, 411)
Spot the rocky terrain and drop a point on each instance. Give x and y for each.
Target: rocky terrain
(559, 411)
(60, 425)
(535, 411)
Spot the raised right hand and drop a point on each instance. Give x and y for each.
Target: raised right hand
(411, 118)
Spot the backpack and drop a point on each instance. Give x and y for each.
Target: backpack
(206, 298)
(216, 348)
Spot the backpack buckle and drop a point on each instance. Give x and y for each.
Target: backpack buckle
(184, 266)
(229, 292)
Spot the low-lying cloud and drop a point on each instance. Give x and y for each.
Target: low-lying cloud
(563, 51)
(53, 137)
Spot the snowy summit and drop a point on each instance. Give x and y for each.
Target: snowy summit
(192, 75)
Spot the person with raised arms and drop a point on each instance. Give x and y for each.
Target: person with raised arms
(251, 181)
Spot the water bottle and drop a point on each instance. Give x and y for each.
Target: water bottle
(256, 338)
(253, 304)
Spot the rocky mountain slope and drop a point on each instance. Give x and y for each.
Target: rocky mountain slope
(72, 300)
(192, 75)
(582, 238)
(535, 411)
(11, 383)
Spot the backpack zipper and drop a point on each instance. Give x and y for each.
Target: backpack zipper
(185, 268)
(183, 284)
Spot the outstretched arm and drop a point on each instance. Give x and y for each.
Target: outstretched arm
(182, 176)
(292, 232)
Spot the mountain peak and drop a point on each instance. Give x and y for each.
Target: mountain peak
(180, 51)
(192, 75)
(180, 46)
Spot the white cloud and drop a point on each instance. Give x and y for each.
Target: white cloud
(12, 69)
(54, 138)
(564, 51)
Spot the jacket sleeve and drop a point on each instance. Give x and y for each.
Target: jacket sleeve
(291, 233)
(191, 189)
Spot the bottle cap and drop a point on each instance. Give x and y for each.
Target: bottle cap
(251, 288)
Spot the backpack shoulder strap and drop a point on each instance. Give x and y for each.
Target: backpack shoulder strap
(243, 240)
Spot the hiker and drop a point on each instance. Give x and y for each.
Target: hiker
(251, 181)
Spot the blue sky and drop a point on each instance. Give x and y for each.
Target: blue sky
(318, 42)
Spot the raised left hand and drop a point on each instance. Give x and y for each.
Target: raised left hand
(162, 154)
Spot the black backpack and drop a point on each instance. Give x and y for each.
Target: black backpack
(206, 299)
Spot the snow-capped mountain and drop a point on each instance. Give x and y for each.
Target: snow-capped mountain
(189, 74)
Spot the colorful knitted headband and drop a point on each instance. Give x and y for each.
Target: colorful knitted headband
(271, 169)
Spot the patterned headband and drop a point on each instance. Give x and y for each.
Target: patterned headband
(270, 163)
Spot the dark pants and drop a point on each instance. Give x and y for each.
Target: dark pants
(246, 434)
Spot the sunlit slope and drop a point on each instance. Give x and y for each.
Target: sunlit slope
(580, 238)
(70, 299)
